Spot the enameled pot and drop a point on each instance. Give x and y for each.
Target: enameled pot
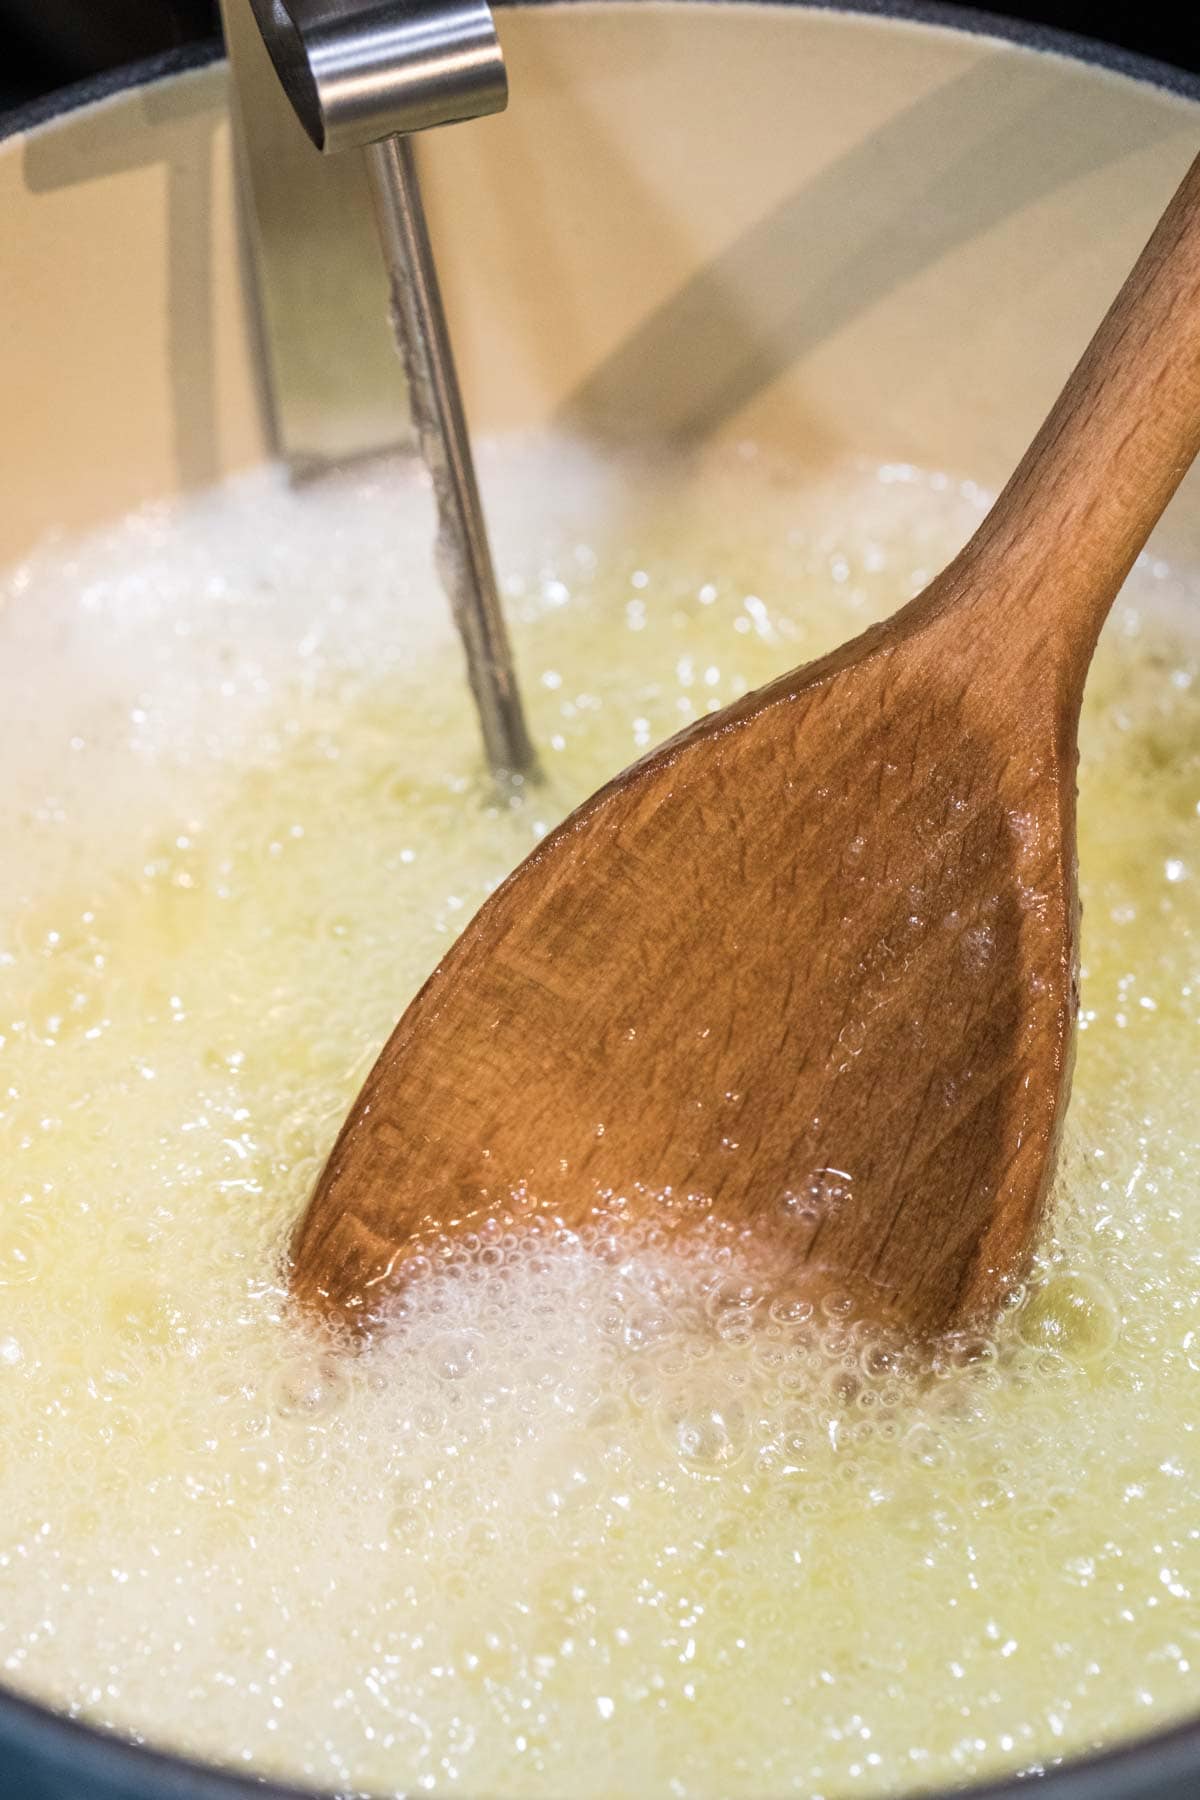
(884, 229)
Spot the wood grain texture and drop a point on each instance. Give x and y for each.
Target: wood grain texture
(812, 964)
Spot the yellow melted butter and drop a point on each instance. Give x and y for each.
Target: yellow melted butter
(592, 1519)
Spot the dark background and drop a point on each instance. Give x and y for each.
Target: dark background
(46, 43)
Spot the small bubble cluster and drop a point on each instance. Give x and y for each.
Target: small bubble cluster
(589, 1513)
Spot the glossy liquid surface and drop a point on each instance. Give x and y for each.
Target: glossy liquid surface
(591, 1519)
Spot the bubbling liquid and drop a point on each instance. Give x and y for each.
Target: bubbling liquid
(592, 1514)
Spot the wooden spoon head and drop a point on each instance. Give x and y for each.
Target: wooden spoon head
(809, 967)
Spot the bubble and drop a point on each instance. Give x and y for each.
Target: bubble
(1038, 1519)
(408, 1526)
(643, 1326)
(925, 1445)
(21, 1254)
(138, 1315)
(840, 1387)
(483, 1538)
(771, 1356)
(992, 1495)
(880, 1358)
(311, 1388)
(569, 1481)
(256, 1475)
(964, 1350)
(485, 1655)
(455, 1354)
(729, 1295)
(791, 1308)
(735, 1326)
(1074, 1316)
(825, 1192)
(706, 1429)
(675, 1354)
(428, 1419)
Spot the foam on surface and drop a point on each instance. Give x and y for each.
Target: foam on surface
(594, 1517)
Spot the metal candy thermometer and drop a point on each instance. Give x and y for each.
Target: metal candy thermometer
(358, 74)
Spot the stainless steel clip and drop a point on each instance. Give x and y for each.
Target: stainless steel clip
(356, 71)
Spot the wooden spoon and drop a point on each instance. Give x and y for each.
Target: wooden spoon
(811, 965)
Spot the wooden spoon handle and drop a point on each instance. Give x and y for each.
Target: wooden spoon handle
(1114, 448)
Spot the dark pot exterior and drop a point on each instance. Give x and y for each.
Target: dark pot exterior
(44, 1756)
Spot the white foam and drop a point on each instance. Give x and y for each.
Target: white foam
(590, 1517)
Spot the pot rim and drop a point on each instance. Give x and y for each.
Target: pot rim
(1143, 1768)
(974, 22)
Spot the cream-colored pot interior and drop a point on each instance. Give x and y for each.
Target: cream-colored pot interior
(831, 231)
